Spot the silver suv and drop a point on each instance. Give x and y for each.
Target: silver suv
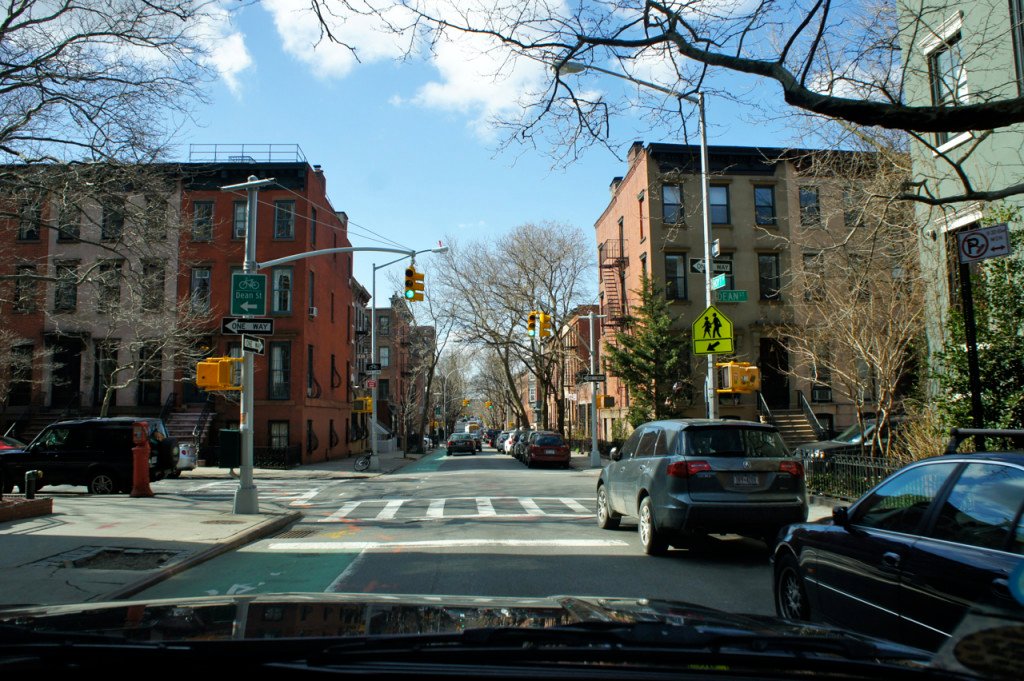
(686, 478)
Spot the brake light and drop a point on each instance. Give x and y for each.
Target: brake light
(684, 469)
(794, 468)
(451, 442)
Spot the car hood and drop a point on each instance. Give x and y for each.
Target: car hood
(343, 615)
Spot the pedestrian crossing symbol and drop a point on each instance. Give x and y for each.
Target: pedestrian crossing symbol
(712, 333)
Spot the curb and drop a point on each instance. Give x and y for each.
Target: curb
(263, 529)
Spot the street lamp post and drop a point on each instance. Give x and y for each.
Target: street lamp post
(571, 67)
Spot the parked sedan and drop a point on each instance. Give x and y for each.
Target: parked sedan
(911, 557)
(461, 442)
(686, 478)
(547, 447)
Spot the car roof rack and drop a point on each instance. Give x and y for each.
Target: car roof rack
(958, 435)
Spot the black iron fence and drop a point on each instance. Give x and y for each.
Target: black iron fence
(847, 476)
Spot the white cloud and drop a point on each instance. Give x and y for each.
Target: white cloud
(226, 50)
(301, 36)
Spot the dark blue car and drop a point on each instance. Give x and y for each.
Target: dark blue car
(910, 558)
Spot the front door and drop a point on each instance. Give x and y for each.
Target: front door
(66, 376)
(774, 365)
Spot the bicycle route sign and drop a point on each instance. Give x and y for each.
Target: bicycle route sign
(712, 333)
(248, 294)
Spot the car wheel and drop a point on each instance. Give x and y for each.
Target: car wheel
(606, 519)
(102, 482)
(790, 592)
(174, 475)
(651, 538)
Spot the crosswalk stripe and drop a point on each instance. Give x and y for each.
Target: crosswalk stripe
(575, 505)
(531, 506)
(484, 507)
(340, 514)
(436, 509)
(390, 509)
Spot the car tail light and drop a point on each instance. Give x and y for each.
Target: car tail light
(451, 442)
(684, 469)
(794, 468)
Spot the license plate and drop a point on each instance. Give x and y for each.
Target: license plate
(748, 480)
(549, 452)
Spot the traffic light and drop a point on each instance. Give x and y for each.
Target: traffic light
(545, 325)
(738, 377)
(531, 324)
(605, 401)
(362, 405)
(216, 373)
(413, 284)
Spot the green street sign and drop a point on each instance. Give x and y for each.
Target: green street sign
(248, 294)
(719, 281)
(738, 296)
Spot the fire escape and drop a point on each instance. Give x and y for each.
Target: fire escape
(612, 259)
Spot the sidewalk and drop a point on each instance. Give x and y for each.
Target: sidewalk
(98, 548)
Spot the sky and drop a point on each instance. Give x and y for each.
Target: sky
(406, 145)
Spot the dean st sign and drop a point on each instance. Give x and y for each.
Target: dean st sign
(248, 294)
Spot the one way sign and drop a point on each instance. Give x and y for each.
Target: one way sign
(253, 344)
(236, 327)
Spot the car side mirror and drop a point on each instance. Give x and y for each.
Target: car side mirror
(616, 455)
(841, 516)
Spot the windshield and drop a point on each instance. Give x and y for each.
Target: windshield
(736, 442)
(328, 248)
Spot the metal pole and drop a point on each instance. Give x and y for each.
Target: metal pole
(710, 383)
(595, 454)
(246, 497)
(374, 458)
(973, 370)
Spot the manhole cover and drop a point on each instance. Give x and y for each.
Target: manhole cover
(222, 522)
(295, 534)
(124, 559)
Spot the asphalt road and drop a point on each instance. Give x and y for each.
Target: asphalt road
(479, 525)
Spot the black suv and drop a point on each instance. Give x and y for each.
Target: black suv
(95, 452)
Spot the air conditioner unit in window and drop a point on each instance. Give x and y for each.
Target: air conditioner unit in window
(821, 394)
(313, 312)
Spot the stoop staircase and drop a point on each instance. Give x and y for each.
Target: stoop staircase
(794, 427)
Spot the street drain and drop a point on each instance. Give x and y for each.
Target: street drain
(295, 534)
(124, 559)
(222, 522)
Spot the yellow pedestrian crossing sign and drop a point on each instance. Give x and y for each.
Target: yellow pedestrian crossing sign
(712, 333)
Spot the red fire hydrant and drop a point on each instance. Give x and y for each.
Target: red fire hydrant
(140, 460)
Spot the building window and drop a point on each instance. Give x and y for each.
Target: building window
(719, 199)
(312, 290)
(284, 219)
(150, 365)
(769, 275)
(19, 390)
(69, 224)
(724, 265)
(109, 286)
(383, 389)
(948, 78)
(279, 436)
(764, 205)
(152, 285)
(384, 325)
(112, 221)
(238, 219)
(105, 371)
(281, 293)
(810, 210)
(202, 220)
(25, 288)
(813, 277)
(29, 220)
(65, 290)
(671, 204)
(199, 294)
(384, 356)
(675, 276)
(280, 370)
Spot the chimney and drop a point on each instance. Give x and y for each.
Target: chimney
(614, 187)
(634, 150)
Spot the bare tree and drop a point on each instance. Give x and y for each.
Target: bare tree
(496, 283)
(850, 62)
(855, 290)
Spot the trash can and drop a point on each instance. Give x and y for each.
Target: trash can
(230, 448)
